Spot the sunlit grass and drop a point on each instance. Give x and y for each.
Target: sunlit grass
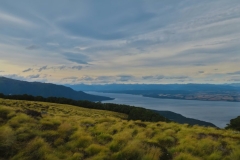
(73, 133)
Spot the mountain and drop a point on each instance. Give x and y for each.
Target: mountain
(11, 86)
(157, 87)
(182, 120)
(205, 92)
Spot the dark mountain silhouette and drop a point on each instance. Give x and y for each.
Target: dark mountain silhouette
(181, 119)
(16, 87)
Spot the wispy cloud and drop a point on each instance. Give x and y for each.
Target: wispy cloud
(77, 67)
(15, 76)
(32, 47)
(125, 78)
(76, 57)
(27, 70)
(158, 42)
(235, 73)
(8, 18)
(52, 44)
(42, 68)
(34, 76)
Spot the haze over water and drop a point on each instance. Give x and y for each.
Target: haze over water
(216, 112)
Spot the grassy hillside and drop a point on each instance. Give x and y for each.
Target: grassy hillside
(69, 132)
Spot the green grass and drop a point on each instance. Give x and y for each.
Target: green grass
(74, 133)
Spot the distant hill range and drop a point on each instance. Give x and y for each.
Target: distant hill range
(16, 87)
(206, 92)
(183, 120)
(191, 87)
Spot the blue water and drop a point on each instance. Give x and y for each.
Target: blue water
(216, 112)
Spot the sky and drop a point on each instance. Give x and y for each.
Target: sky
(120, 41)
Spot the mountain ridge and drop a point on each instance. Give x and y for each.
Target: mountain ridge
(12, 86)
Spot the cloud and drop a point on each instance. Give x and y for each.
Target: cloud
(176, 77)
(71, 78)
(42, 68)
(33, 76)
(27, 70)
(162, 77)
(234, 79)
(8, 18)
(104, 78)
(62, 67)
(108, 23)
(15, 76)
(124, 78)
(77, 67)
(162, 41)
(52, 44)
(234, 73)
(76, 57)
(77, 61)
(86, 78)
(147, 77)
(32, 47)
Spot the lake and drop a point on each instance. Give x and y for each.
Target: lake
(216, 112)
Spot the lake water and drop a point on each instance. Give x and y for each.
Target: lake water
(216, 112)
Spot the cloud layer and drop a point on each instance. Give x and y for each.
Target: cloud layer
(121, 42)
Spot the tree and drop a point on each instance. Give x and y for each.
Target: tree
(234, 124)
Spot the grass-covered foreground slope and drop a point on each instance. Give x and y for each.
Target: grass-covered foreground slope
(69, 132)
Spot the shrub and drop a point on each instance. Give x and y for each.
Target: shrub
(4, 111)
(66, 129)
(49, 124)
(20, 119)
(77, 156)
(104, 138)
(7, 140)
(215, 156)
(80, 140)
(152, 153)
(93, 149)
(50, 135)
(166, 141)
(25, 133)
(36, 149)
(186, 156)
(235, 154)
(132, 151)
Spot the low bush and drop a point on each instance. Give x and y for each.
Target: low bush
(93, 149)
(7, 141)
(90, 134)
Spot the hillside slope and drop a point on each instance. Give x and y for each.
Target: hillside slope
(182, 120)
(11, 86)
(69, 132)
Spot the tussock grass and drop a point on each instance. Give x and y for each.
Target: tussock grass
(73, 133)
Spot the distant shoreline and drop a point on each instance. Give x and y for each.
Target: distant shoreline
(189, 99)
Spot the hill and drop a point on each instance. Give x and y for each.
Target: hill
(205, 92)
(11, 86)
(183, 120)
(154, 87)
(69, 132)
(134, 113)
